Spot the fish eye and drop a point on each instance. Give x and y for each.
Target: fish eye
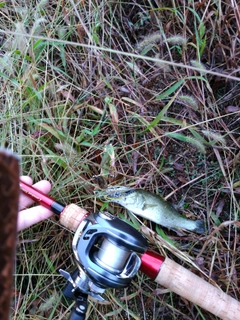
(113, 194)
(121, 192)
(117, 194)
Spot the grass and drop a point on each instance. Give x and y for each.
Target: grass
(146, 95)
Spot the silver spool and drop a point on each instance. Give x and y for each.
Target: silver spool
(112, 256)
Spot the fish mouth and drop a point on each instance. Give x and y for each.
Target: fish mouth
(113, 193)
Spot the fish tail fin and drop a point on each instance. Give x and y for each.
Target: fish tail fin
(200, 226)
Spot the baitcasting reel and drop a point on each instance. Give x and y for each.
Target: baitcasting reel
(107, 253)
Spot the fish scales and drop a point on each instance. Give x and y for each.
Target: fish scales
(150, 206)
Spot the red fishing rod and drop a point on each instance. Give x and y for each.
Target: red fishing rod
(109, 252)
(41, 198)
(70, 215)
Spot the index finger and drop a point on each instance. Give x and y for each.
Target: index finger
(28, 217)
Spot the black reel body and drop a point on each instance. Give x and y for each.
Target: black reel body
(107, 250)
(107, 253)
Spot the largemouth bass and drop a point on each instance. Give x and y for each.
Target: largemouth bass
(150, 206)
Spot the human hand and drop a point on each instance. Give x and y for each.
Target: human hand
(28, 217)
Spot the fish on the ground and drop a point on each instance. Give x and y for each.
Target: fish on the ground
(150, 206)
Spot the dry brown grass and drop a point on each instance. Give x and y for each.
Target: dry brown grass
(76, 107)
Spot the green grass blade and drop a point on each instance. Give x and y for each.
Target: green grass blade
(196, 143)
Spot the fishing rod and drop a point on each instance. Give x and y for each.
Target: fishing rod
(109, 252)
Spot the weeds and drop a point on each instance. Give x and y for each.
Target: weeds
(144, 93)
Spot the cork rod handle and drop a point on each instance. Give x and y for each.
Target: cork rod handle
(72, 216)
(193, 288)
